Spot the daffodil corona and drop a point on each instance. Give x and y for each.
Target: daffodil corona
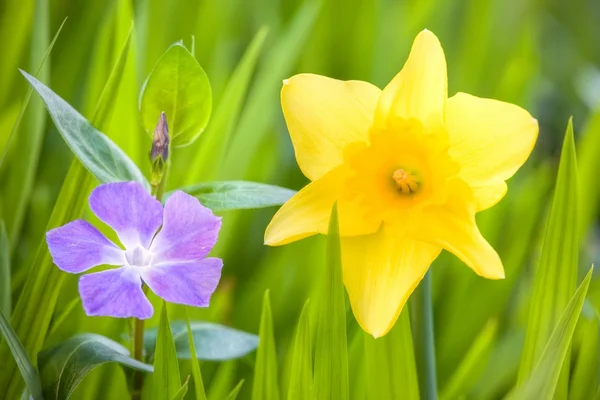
(409, 168)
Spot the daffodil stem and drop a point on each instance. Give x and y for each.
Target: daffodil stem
(424, 339)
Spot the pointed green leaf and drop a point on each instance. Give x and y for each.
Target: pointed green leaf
(542, 382)
(211, 147)
(472, 364)
(265, 385)
(301, 380)
(556, 275)
(198, 383)
(104, 159)
(391, 367)
(237, 195)
(166, 368)
(28, 371)
(213, 342)
(182, 391)
(178, 86)
(5, 292)
(65, 365)
(235, 391)
(331, 349)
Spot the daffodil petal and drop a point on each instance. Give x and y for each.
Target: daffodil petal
(419, 90)
(490, 139)
(380, 272)
(453, 227)
(323, 116)
(308, 211)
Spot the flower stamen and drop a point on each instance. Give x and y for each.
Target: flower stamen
(406, 182)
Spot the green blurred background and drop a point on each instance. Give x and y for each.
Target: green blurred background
(542, 55)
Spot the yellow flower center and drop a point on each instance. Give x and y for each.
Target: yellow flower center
(406, 182)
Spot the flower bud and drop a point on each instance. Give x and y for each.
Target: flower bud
(160, 140)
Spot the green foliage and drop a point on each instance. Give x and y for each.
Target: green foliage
(541, 383)
(301, 379)
(65, 365)
(179, 87)
(28, 372)
(166, 367)
(238, 195)
(196, 373)
(331, 349)
(265, 375)
(557, 272)
(235, 391)
(213, 342)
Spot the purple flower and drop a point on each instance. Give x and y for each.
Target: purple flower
(165, 249)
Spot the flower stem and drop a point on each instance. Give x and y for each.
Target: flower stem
(424, 339)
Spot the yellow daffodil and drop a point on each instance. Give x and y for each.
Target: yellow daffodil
(409, 168)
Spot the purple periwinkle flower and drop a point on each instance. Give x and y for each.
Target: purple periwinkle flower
(164, 248)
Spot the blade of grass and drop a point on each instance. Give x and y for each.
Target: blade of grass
(556, 274)
(198, 383)
(28, 372)
(584, 376)
(331, 348)
(235, 391)
(265, 385)
(301, 381)
(166, 367)
(544, 379)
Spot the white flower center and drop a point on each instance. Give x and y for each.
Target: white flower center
(138, 257)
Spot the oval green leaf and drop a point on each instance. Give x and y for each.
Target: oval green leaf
(178, 86)
(213, 342)
(238, 195)
(63, 367)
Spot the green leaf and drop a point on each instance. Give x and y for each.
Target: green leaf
(265, 385)
(5, 292)
(66, 364)
(28, 371)
(213, 342)
(235, 391)
(556, 275)
(238, 195)
(178, 86)
(472, 365)
(182, 391)
(213, 144)
(331, 349)
(104, 159)
(391, 367)
(166, 367)
(543, 381)
(301, 380)
(198, 383)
